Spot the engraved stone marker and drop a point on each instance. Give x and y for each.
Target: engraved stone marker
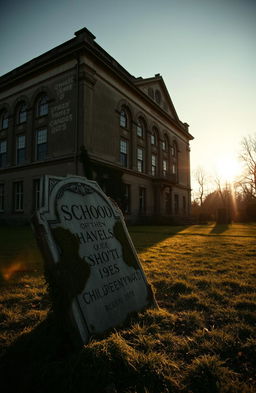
(89, 257)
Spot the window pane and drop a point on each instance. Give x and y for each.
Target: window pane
(18, 196)
(140, 154)
(123, 146)
(22, 117)
(5, 120)
(3, 147)
(42, 108)
(21, 142)
(41, 136)
(123, 119)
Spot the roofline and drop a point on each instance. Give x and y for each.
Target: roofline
(84, 40)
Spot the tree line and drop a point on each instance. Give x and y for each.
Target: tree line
(228, 201)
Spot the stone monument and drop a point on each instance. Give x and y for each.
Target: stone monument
(90, 261)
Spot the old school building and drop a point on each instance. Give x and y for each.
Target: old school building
(75, 110)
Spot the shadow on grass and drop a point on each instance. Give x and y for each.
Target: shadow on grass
(219, 228)
(144, 237)
(28, 361)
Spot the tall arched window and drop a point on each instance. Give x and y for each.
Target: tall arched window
(42, 106)
(174, 154)
(141, 128)
(4, 120)
(154, 136)
(123, 120)
(22, 113)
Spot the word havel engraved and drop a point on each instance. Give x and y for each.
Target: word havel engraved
(90, 261)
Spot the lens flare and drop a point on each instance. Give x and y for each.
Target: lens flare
(13, 268)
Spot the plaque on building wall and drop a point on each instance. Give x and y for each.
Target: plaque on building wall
(90, 261)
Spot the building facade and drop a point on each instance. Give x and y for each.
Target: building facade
(75, 110)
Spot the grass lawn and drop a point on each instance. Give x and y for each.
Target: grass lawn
(202, 339)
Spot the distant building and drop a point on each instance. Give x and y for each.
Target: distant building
(75, 110)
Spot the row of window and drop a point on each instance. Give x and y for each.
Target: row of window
(18, 196)
(18, 199)
(169, 163)
(169, 208)
(125, 122)
(41, 137)
(21, 113)
(141, 167)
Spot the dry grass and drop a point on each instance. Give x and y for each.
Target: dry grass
(201, 340)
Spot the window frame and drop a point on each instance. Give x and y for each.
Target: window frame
(4, 120)
(165, 167)
(123, 118)
(22, 109)
(123, 153)
(20, 150)
(153, 164)
(140, 159)
(41, 155)
(3, 154)
(140, 130)
(18, 196)
(42, 106)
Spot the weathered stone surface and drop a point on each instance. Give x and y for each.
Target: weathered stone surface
(91, 264)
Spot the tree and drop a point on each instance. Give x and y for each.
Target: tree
(248, 157)
(201, 178)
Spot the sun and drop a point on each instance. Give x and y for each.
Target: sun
(228, 168)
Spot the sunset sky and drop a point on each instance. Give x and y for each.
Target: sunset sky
(205, 51)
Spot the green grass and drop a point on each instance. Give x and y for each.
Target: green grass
(201, 340)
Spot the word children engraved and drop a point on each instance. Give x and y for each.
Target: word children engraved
(90, 260)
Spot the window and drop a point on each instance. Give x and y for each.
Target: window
(22, 113)
(168, 203)
(154, 136)
(165, 144)
(153, 139)
(127, 199)
(123, 121)
(42, 106)
(1, 197)
(174, 158)
(174, 150)
(3, 154)
(153, 165)
(18, 196)
(4, 120)
(41, 144)
(124, 153)
(176, 203)
(164, 167)
(21, 149)
(140, 160)
(142, 200)
(36, 193)
(140, 129)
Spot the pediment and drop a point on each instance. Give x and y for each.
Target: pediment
(156, 90)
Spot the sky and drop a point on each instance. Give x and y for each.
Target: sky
(205, 50)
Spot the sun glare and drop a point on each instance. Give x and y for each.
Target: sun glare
(228, 168)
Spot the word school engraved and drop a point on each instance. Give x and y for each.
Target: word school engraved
(90, 260)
